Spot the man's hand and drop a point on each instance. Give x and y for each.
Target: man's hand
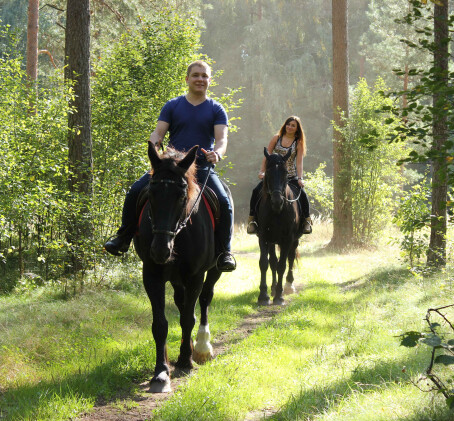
(211, 156)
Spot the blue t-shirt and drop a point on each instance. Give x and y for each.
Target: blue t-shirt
(191, 125)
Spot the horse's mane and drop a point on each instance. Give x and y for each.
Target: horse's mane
(170, 159)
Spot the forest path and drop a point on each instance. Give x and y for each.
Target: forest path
(141, 406)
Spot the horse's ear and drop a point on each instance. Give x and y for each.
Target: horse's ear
(265, 151)
(187, 161)
(153, 155)
(287, 155)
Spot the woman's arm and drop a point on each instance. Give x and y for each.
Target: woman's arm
(299, 163)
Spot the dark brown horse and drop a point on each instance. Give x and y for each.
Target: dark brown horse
(176, 243)
(278, 223)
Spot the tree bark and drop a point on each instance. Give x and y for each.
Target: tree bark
(436, 255)
(342, 213)
(32, 40)
(77, 71)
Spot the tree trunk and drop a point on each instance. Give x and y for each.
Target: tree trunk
(32, 40)
(342, 215)
(436, 256)
(77, 52)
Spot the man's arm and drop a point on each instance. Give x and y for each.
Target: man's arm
(220, 144)
(159, 132)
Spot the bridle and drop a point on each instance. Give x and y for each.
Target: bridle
(282, 195)
(181, 223)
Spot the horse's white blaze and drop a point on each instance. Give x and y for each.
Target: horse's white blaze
(203, 351)
(289, 288)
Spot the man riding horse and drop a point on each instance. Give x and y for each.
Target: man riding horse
(191, 119)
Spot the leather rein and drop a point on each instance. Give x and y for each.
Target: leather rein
(181, 224)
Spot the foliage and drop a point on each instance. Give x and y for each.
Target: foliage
(33, 167)
(439, 338)
(319, 188)
(376, 179)
(417, 118)
(427, 119)
(382, 43)
(412, 217)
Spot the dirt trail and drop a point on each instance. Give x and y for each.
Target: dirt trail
(140, 406)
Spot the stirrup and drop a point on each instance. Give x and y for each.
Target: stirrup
(227, 269)
(252, 227)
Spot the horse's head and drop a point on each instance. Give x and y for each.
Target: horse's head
(168, 195)
(275, 180)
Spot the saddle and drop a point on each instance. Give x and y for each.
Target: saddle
(209, 199)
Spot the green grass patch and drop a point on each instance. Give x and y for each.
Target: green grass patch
(332, 353)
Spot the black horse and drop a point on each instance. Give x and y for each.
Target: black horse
(278, 223)
(175, 242)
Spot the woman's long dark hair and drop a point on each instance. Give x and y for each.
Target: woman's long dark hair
(299, 135)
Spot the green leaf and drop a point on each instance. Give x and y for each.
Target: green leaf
(450, 402)
(444, 359)
(431, 340)
(410, 339)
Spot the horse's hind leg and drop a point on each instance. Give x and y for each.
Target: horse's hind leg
(187, 319)
(203, 351)
(264, 299)
(289, 288)
(273, 267)
(156, 292)
(278, 299)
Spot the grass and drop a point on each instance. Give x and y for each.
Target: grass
(331, 354)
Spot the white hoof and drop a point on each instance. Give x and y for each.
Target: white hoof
(160, 383)
(289, 288)
(203, 351)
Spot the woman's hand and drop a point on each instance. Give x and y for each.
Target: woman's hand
(261, 175)
(300, 182)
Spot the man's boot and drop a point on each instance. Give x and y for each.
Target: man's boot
(226, 262)
(119, 244)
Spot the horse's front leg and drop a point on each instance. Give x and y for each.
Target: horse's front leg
(155, 288)
(203, 351)
(191, 292)
(278, 299)
(273, 266)
(288, 287)
(264, 299)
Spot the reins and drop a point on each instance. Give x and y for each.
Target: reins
(181, 224)
(285, 198)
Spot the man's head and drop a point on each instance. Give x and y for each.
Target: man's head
(198, 77)
(199, 63)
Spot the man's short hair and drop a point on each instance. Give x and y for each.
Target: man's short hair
(199, 63)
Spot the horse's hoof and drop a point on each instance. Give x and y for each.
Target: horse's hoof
(181, 372)
(264, 302)
(202, 353)
(278, 301)
(160, 383)
(289, 288)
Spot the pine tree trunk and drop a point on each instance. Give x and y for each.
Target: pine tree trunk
(436, 255)
(32, 40)
(77, 52)
(342, 213)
